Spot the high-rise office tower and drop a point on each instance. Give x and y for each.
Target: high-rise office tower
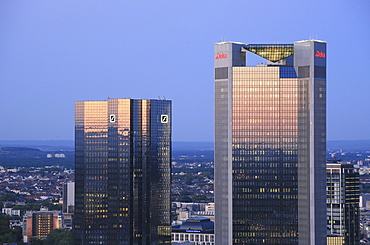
(68, 205)
(68, 197)
(343, 196)
(123, 172)
(270, 143)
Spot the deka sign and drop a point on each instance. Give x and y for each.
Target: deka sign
(320, 54)
(221, 56)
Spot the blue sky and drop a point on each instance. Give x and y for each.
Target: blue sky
(53, 53)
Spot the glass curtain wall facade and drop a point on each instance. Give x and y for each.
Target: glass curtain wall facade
(343, 194)
(269, 154)
(264, 149)
(123, 172)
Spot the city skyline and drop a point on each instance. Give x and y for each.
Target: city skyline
(53, 54)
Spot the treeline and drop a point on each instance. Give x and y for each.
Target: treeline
(56, 237)
(29, 205)
(191, 198)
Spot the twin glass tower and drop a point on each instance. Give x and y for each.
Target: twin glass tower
(123, 172)
(270, 144)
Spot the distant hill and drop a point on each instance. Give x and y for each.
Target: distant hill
(68, 145)
(43, 145)
(19, 149)
(349, 145)
(34, 156)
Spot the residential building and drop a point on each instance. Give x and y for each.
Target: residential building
(38, 224)
(270, 144)
(123, 172)
(11, 212)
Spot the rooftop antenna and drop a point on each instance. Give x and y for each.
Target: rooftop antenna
(164, 97)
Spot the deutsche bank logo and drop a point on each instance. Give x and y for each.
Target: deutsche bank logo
(164, 118)
(112, 118)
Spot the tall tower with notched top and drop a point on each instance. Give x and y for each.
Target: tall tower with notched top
(270, 144)
(123, 172)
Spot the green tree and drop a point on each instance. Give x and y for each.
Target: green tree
(35, 241)
(59, 237)
(9, 197)
(184, 193)
(174, 215)
(199, 198)
(33, 205)
(7, 234)
(17, 230)
(185, 199)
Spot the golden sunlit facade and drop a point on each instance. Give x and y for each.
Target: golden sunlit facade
(123, 155)
(265, 132)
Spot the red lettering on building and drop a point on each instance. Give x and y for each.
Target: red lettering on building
(320, 54)
(221, 56)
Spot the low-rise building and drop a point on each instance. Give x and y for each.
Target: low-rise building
(11, 212)
(196, 230)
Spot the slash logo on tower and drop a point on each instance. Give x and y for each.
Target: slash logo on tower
(320, 54)
(164, 118)
(221, 56)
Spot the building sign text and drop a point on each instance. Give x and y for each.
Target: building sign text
(221, 56)
(320, 54)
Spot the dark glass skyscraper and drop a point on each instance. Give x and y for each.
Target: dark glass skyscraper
(123, 172)
(343, 197)
(270, 143)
